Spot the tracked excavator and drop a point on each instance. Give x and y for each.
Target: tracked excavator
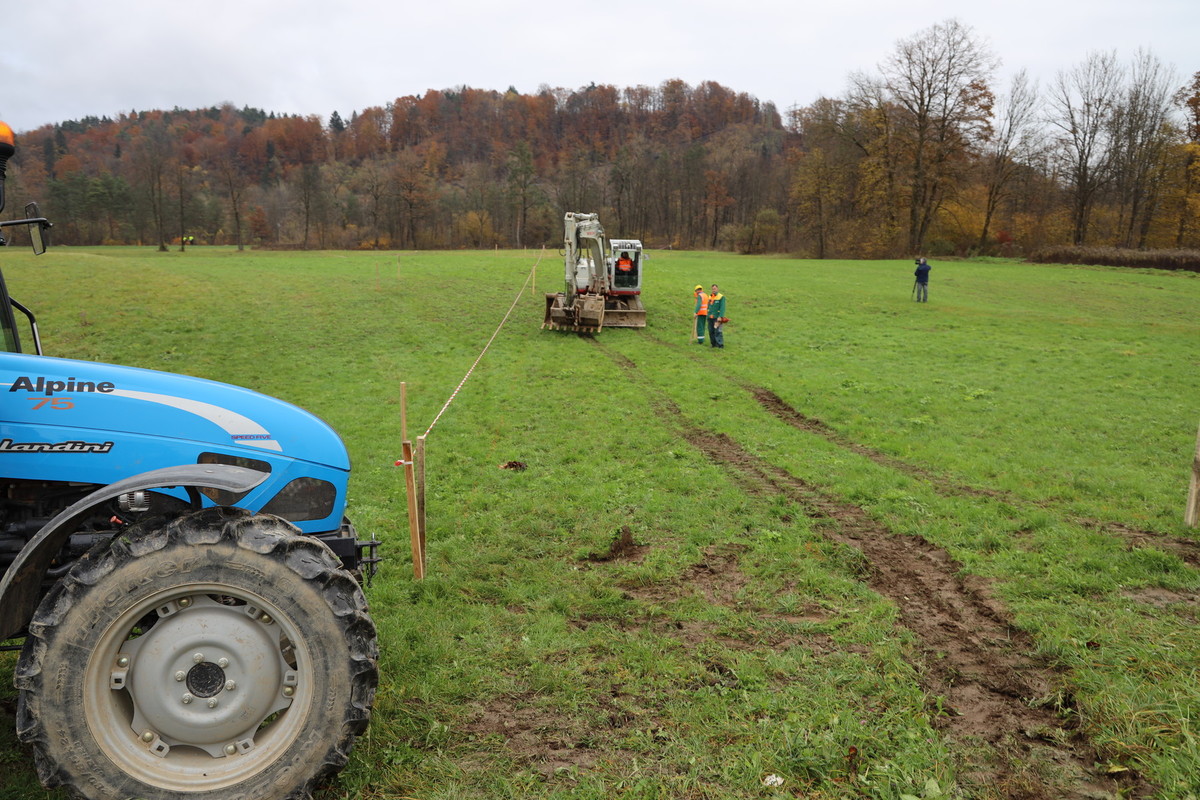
(603, 280)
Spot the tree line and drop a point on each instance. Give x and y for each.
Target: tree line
(923, 155)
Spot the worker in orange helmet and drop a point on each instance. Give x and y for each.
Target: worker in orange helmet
(701, 313)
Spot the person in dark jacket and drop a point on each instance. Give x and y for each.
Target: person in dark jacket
(922, 285)
(716, 317)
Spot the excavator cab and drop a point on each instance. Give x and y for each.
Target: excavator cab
(627, 266)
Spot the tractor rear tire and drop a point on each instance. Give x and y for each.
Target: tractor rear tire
(218, 655)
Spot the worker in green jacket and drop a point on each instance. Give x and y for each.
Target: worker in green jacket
(716, 317)
(701, 313)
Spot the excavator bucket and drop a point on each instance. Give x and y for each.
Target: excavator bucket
(586, 314)
(624, 312)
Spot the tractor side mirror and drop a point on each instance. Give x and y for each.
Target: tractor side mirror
(36, 228)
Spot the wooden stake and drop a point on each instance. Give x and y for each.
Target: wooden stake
(403, 411)
(419, 458)
(410, 489)
(1192, 514)
(410, 485)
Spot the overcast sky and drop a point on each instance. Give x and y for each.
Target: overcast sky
(68, 59)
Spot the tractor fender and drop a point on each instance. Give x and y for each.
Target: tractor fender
(20, 588)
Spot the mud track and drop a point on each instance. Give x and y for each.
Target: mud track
(984, 687)
(1184, 549)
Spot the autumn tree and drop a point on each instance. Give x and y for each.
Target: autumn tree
(1082, 102)
(1012, 143)
(1141, 136)
(819, 193)
(522, 186)
(367, 135)
(716, 200)
(111, 196)
(935, 87)
(372, 180)
(475, 228)
(153, 150)
(309, 192)
(1187, 99)
(223, 155)
(414, 193)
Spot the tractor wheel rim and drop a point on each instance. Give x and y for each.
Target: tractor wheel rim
(210, 694)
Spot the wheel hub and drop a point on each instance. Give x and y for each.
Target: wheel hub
(206, 679)
(204, 675)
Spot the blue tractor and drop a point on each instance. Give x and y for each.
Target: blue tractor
(175, 557)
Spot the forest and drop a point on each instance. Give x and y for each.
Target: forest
(925, 154)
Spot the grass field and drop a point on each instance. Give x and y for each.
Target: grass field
(872, 548)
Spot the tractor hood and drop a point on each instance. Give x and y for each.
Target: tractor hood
(109, 420)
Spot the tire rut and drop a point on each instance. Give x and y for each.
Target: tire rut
(974, 664)
(1186, 550)
(781, 410)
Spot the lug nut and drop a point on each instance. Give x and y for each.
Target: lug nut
(265, 619)
(187, 698)
(288, 691)
(230, 686)
(148, 737)
(123, 661)
(184, 602)
(222, 662)
(230, 749)
(180, 675)
(198, 658)
(212, 702)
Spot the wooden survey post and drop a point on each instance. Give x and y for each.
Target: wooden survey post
(419, 471)
(416, 499)
(1191, 515)
(410, 485)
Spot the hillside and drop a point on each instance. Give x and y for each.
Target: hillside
(893, 167)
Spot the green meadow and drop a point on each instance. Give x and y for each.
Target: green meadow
(870, 549)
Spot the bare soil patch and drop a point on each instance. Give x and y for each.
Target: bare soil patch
(1158, 597)
(719, 579)
(544, 740)
(1185, 550)
(622, 548)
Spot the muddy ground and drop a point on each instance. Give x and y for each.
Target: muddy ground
(1015, 724)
